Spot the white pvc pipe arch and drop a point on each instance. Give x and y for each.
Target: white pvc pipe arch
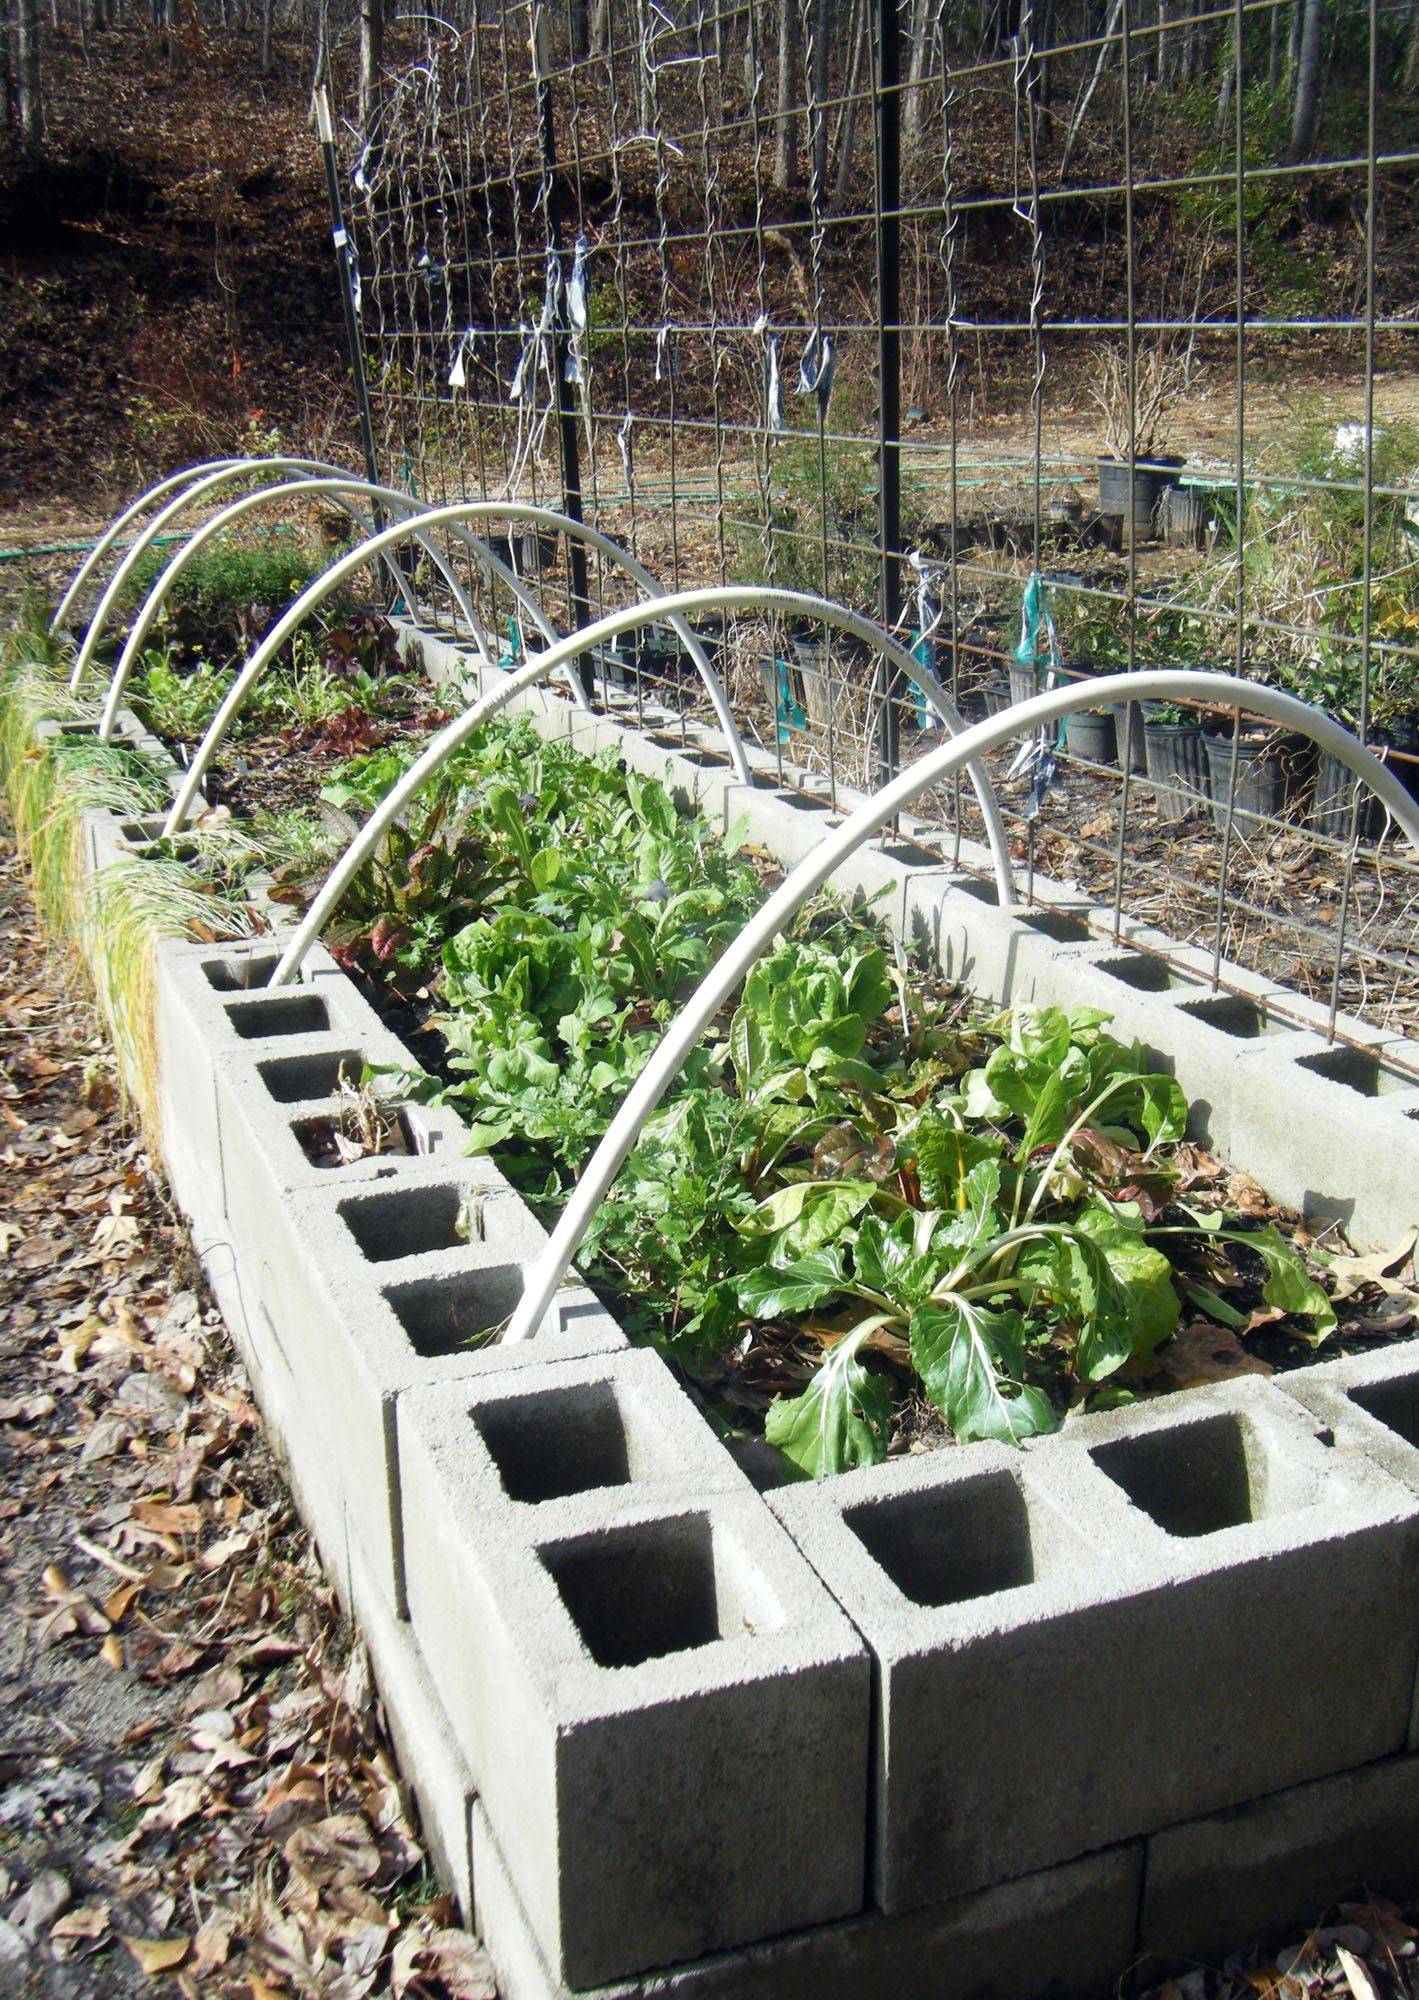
(725, 597)
(223, 476)
(455, 518)
(340, 491)
(115, 528)
(667, 609)
(549, 1269)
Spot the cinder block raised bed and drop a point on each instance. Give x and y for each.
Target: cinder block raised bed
(979, 1722)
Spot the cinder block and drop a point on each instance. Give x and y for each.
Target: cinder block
(974, 1591)
(372, 1292)
(1332, 1131)
(276, 1098)
(1066, 1934)
(664, 1712)
(1162, 1565)
(430, 1762)
(1257, 1542)
(1272, 1867)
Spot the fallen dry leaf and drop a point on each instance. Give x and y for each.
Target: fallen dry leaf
(1358, 1976)
(1205, 1353)
(156, 1955)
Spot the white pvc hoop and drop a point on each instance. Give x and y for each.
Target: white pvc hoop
(666, 609)
(234, 469)
(454, 517)
(337, 490)
(549, 1269)
(724, 597)
(116, 527)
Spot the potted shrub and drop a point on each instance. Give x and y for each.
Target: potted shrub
(1094, 640)
(1132, 481)
(1331, 679)
(1175, 757)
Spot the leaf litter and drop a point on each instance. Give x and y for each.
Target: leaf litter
(197, 1793)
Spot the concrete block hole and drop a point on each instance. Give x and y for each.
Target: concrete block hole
(296, 1013)
(1197, 1478)
(1357, 1069)
(948, 1544)
(563, 1441)
(1394, 1404)
(407, 1222)
(440, 1315)
(297, 1079)
(240, 974)
(1239, 1018)
(660, 1587)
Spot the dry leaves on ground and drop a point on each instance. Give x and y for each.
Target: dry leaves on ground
(196, 1793)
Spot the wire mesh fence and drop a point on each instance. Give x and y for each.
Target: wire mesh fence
(1061, 337)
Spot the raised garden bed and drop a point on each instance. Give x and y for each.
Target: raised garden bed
(567, 1576)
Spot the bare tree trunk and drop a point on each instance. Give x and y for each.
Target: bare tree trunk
(786, 123)
(1224, 97)
(266, 12)
(822, 50)
(600, 26)
(1411, 60)
(921, 24)
(1303, 114)
(857, 32)
(27, 72)
(371, 62)
(578, 30)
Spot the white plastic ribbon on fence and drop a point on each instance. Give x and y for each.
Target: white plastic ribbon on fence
(817, 367)
(458, 373)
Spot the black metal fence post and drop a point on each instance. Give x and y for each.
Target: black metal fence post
(561, 346)
(344, 263)
(888, 108)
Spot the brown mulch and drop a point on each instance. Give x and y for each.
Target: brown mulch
(196, 1790)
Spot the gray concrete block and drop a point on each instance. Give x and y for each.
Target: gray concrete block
(665, 1713)
(1257, 1543)
(373, 1292)
(1066, 1934)
(431, 1765)
(1332, 1131)
(1273, 1867)
(1164, 1565)
(974, 1590)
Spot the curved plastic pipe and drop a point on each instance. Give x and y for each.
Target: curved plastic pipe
(115, 528)
(663, 609)
(726, 597)
(223, 476)
(550, 1268)
(337, 490)
(479, 551)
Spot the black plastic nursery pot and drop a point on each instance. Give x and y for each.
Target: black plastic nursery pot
(1090, 735)
(1271, 764)
(1337, 788)
(1177, 762)
(1025, 682)
(1134, 496)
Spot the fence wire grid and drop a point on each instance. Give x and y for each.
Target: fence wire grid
(1062, 338)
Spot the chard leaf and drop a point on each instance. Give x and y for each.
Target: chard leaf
(944, 1155)
(1289, 1285)
(966, 1357)
(811, 1213)
(976, 1217)
(770, 1293)
(842, 1418)
(546, 868)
